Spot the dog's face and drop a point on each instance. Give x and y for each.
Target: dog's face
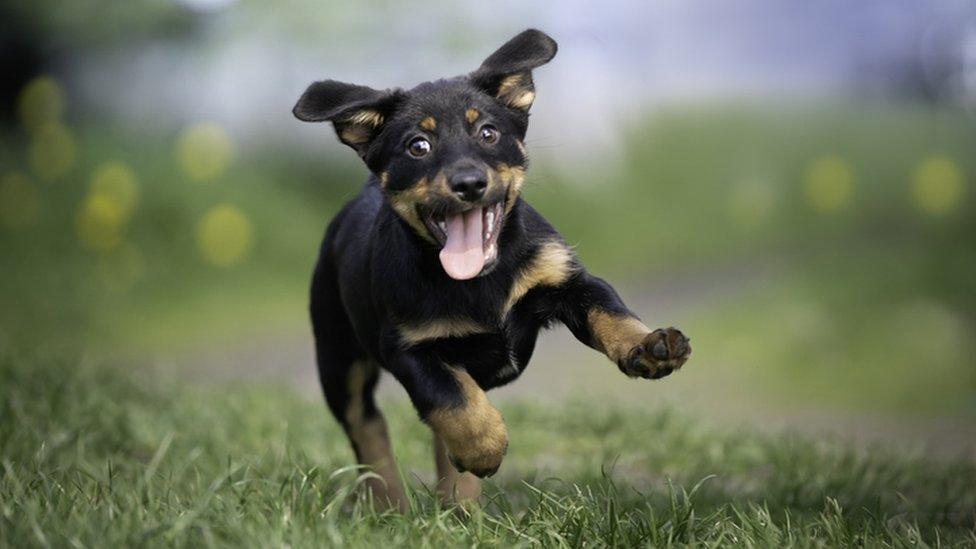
(449, 154)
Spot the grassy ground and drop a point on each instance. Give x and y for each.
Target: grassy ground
(93, 455)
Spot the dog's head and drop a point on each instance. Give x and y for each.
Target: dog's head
(449, 154)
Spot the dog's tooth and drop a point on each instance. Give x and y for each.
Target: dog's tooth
(490, 218)
(443, 226)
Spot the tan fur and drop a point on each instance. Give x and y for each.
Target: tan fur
(551, 266)
(452, 486)
(615, 335)
(366, 118)
(413, 334)
(513, 177)
(372, 443)
(474, 433)
(471, 115)
(354, 135)
(516, 91)
(405, 205)
(522, 100)
(429, 124)
(509, 84)
(384, 178)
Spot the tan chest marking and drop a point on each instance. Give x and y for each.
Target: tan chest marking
(551, 266)
(412, 334)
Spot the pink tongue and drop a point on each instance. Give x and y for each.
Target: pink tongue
(462, 255)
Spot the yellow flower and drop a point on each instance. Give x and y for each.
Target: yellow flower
(937, 185)
(224, 235)
(828, 184)
(204, 151)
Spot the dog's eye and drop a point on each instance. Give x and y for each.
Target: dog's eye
(488, 133)
(418, 147)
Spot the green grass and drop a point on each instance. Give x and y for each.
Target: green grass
(99, 456)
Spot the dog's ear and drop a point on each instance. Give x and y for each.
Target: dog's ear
(357, 112)
(507, 73)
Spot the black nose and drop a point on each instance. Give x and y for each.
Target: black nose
(469, 185)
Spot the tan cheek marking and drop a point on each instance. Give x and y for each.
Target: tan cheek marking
(471, 115)
(551, 266)
(412, 334)
(429, 124)
(404, 204)
(513, 176)
(615, 335)
(474, 432)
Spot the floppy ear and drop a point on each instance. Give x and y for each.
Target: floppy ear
(357, 112)
(507, 73)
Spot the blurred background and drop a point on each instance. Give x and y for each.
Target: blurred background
(789, 182)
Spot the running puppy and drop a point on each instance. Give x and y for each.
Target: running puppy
(439, 273)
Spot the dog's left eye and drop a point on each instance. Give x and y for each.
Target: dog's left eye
(488, 133)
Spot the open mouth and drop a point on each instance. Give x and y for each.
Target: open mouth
(469, 239)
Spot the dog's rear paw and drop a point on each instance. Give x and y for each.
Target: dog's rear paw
(661, 352)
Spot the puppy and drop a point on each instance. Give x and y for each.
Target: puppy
(439, 273)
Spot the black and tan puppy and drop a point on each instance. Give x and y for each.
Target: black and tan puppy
(440, 274)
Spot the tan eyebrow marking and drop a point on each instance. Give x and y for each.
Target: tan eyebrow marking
(429, 124)
(471, 115)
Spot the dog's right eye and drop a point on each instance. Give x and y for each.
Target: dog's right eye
(418, 147)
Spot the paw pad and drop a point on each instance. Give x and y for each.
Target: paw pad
(660, 353)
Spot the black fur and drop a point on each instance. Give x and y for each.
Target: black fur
(376, 272)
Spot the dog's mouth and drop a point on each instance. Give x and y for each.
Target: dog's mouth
(468, 239)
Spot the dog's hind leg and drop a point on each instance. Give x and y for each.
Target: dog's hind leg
(348, 381)
(452, 486)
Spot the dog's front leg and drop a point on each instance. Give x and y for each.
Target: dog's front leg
(456, 409)
(597, 317)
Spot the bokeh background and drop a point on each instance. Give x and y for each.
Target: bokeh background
(791, 183)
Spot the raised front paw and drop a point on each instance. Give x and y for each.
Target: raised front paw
(661, 352)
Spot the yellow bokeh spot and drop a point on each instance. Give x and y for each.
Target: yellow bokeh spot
(937, 185)
(828, 184)
(117, 183)
(52, 151)
(224, 235)
(751, 202)
(19, 201)
(100, 222)
(122, 268)
(204, 151)
(41, 102)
